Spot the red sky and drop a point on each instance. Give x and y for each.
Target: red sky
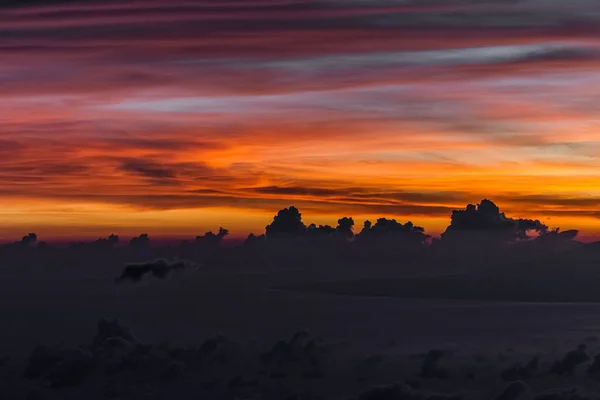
(175, 118)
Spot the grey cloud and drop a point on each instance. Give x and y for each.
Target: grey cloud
(171, 173)
(148, 169)
(321, 15)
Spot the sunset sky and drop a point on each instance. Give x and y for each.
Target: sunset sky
(173, 118)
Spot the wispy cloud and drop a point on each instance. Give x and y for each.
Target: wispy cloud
(405, 108)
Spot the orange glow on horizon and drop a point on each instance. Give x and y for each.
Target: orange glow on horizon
(176, 132)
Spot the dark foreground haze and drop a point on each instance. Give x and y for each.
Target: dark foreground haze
(498, 307)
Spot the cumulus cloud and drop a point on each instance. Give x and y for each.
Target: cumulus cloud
(486, 218)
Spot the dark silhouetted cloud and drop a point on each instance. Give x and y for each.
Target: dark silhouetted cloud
(160, 269)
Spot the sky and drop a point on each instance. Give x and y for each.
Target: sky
(174, 118)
